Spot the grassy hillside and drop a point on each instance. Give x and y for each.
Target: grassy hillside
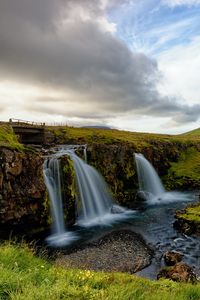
(26, 277)
(8, 139)
(194, 132)
(90, 135)
(186, 171)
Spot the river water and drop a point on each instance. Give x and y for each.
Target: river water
(155, 224)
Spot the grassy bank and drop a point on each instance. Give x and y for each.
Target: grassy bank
(8, 139)
(24, 276)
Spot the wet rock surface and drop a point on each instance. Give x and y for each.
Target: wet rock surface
(188, 220)
(180, 272)
(123, 251)
(171, 258)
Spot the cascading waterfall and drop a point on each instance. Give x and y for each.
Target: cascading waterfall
(151, 185)
(93, 198)
(53, 180)
(85, 153)
(148, 179)
(94, 202)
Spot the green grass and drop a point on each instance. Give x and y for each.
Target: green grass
(8, 139)
(193, 132)
(93, 135)
(26, 277)
(188, 164)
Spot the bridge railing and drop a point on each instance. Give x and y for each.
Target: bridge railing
(27, 123)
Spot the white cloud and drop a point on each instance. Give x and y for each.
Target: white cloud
(181, 68)
(173, 3)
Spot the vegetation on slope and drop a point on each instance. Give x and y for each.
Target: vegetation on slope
(193, 132)
(25, 277)
(8, 139)
(186, 169)
(94, 135)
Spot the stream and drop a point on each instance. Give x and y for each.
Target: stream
(155, 224)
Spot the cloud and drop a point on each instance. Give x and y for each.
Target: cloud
(70, 48)
(180, 66)
(173, 3)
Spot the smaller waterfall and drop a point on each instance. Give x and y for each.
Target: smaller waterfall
(151, 186)
(85, 153)
(149, 180)
(53, 181)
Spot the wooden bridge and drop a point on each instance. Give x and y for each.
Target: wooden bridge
(28, 132)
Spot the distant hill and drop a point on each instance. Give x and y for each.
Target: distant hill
(97, 127)
(193, 132)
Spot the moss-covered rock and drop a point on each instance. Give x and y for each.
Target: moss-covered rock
(180, 272)
(68, 186)
(188, 220)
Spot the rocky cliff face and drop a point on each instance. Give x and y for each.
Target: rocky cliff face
(117, 164)
(22, 188)
(23, 195)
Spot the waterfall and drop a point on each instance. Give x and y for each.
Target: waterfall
(93, 198)
(94, 202)
(149, 180)
(85, 153)
(52, 176)
(53, 180)
(151, 187)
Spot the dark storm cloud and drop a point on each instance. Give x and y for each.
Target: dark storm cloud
(64, 45)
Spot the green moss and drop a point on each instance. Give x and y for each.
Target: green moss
(191, 214)
(8, 139)
(26, 277)
(46, 212)
(68, 191)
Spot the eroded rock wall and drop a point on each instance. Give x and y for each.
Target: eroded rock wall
(22, 188)
(116, 163)
(23, 195)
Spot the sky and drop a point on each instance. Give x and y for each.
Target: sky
(131, 65)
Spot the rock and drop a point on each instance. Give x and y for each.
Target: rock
(171, 258)
(118, 251)
(188, 220)
(8, 155)
(1, 180)
(22, 188)
(180, 272)
(143, 196)
(116, 209)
